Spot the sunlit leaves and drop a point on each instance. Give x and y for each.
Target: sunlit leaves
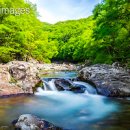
(112, 29)
(23, 36)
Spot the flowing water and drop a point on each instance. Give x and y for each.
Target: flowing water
(71, 111)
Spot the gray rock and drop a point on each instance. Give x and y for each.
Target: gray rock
(27, 122)
(66, 84)
(25, 74)
(30, 122)
(4, 74)
(109, 80)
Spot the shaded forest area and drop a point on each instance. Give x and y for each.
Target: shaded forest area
(103, 37)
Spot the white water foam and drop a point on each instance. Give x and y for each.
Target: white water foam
(89, 88)
(70, 110)
(49, 85)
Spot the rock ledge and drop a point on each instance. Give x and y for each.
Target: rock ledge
(109, 80)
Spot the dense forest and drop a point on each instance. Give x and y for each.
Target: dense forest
(103, 37)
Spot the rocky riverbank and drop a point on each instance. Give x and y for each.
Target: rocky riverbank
(19, 77)
(109, 80)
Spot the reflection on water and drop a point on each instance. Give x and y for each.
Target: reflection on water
(61, 74)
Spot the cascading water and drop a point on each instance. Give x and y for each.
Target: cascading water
(68, 109)
(49, 85)
(72, 111)
(89, 89)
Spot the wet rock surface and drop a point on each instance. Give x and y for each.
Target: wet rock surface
(109, 80)
(64, 84)
(31, 122)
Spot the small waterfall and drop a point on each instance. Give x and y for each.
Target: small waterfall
(89, 89)
(74, 86)
(71, 104)
(49, 85)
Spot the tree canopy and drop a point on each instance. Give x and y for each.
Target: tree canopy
(103, 37)
(21, 35)
(112, 30)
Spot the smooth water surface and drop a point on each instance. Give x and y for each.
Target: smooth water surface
(61, 74)
(68, 110)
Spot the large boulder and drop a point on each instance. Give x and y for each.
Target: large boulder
(68, 85)
(30, 122)
(6, 87)
(110, 80)
(25, 75)
(18, 77)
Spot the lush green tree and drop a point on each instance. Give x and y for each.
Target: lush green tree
(72, 38)
(112, 31)
(103, 37)
(21, 33)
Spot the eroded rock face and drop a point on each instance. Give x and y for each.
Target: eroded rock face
(6, 87)
(25, 74)
(18, 77)
(109, 80)
(4, 73)
(30, 122)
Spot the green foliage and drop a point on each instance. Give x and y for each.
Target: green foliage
(6, 54)
(22, 36)
(72, 38)
(103, 37)
(112, 30)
